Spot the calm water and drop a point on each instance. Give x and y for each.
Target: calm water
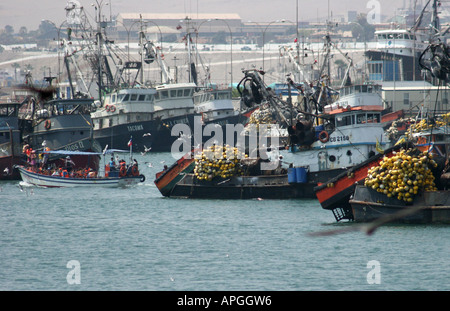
(134, 239)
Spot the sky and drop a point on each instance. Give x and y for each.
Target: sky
(30, 13)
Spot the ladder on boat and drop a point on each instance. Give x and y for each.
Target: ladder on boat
(341, 213)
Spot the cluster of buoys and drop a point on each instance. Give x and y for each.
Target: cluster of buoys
(218, 161)
(423, 125)
(403, 175)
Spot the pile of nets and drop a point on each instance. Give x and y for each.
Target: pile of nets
(403, 175)
(218, 161)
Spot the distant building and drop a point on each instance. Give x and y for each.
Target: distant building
(411, 96)
(352, 16)
(170, 23)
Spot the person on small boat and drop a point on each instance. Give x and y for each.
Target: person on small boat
(135, 168)
(69, 164)
(64, 173)
(123, 168)
(112, 164)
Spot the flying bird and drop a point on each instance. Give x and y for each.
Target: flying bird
(370, 228)
(146, 134)
(146, 150)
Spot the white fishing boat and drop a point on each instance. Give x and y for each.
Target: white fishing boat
(122, 175)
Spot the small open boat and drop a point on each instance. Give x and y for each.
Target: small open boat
(122, 176)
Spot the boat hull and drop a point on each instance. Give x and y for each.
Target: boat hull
(166, 180)
(335, 193)
(249, 187)
(429, 207)
(60, 182)
(160, 138)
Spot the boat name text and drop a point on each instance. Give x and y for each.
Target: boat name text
(135, 128)
(339, 138)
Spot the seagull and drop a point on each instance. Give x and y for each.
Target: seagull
(149, 164)
(146, 150)
(370, 228)
(146, 134)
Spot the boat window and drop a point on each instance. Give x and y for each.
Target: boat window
(357, 88)
(364, 88)
(180, 93)
(157, 96)
(123, 98)
(134, 97)
(113, 98)
(149, 98)
(347, 91)
(187, 92)
(223, 95)
(342, 121)
(173, 93)
(361, 118)
(164, 94)
(141, 97)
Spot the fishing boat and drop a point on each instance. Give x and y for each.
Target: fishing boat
(60, 124)
(147, 114)
(10, 141)
(212, 102)
(183, 180)
(348, 195)
(397, 52)
(429, 207)
(216, 107)
(59, 177)
(334, 193)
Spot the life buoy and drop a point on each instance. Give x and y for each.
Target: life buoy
(48, 124)
(142, 178)
(323, 136)
(122, 171)
(112, 108)
(134, 170)
(107, 108)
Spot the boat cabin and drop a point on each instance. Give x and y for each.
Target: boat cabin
(130, 96)
(365, 96)
(402, 40)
